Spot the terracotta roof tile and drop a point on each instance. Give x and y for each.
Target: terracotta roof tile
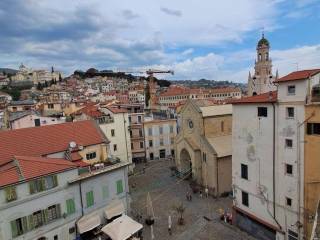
(24, 168)
(298, 75)
(41, 141)
(116, 109)
(269, 97)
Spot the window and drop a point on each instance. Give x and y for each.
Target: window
(42, 184)
(161, 141)
(91, 155)
(131, 145)
(11, 193)
(172, 140)
(289, 169)
(222, 126)
(129, 118)
(160, 130)
(119, 186)
(89, 199)
(140, 133)
(37, 219)
(244, 171)
(139, 119)
(291, 90)
(37, 122)
(288, 143)
(150, 131)
(313, 128)
(141, 144)
(50, 106)
(262, 112)
(71, 207)
(130, 133)
(19, 226)
(162, 153)
(105, 192)
(112, 133)
(204, 157)
(245, 199)
(55, 237)
(151, 156)
(114, 147)
(290, 112)
(288, 202)
(150, 143)
(171, 129)
(53, 212)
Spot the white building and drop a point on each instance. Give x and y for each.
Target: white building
(268, 158)
(117, 132)
(159, 137)
(61, 189)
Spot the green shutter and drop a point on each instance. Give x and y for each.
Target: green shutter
(119, 187)
(42, 183)
(105, 192)
(45, 215)
(55, 180)
(24, 224)
(89, 198)
(70, 206)
(30, 222)
(32, 187)
(14, 229)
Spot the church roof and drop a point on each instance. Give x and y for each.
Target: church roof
(263, 41)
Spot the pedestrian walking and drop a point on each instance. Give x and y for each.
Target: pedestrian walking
(169, 225)
(206, 192)
(200, 192)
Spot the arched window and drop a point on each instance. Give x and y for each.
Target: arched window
(267, 56)
(260, 57)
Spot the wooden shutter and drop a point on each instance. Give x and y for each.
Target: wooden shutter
(58, 209)
(32, 187)
(14, 229)
(70, 206)
(24, 224)
(89, 198)
(42, 182)
(30, 222)
(55, 180)
(45, 215)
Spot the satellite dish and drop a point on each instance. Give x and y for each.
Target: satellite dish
(72, 144)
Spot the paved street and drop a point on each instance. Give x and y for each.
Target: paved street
(166, 192)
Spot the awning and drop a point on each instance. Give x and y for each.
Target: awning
(113, 209)
(122, 228)
(88, 222)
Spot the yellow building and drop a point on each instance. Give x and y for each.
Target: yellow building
(311, 165)
(203, 145)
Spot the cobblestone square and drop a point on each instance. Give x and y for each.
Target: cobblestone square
(201, 215)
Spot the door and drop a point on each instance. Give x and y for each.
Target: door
(37, 122)
(162, 153)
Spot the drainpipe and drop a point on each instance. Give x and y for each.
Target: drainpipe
(274, 161)
(81, 202)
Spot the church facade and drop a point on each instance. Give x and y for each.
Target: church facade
(262, 80)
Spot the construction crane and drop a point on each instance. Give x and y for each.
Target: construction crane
(150, 72)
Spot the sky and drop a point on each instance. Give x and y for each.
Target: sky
(197, 39)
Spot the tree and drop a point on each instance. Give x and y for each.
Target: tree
(52, 81)
(180, 209)
(46, 84)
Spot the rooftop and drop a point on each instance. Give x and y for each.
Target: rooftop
(44, 140)
(298, 75)
(269, 97)
(24, 168)
(216, 110)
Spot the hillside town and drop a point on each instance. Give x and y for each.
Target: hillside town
(78, 155)
(161, 124)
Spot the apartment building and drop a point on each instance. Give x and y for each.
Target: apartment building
(159, 138)
(136, 130)
(175, 94)
(271, 170)
(57, 182)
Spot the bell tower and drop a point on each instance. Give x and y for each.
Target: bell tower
(262, 80)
